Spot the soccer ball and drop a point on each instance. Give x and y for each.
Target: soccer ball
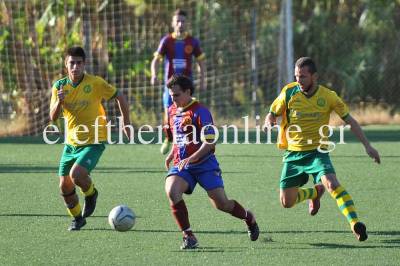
(121, 218)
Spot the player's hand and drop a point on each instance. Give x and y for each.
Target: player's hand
(154, 80)
(127, 130)
(182, 164)
(60, 94)
(374, 154)
(270, 121)
(168, 160)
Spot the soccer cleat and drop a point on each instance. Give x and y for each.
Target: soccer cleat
(189, 242)
(313, 205)
(165, 146)
(90, 204)
(360, 231)
(77, 223)
(252, 230)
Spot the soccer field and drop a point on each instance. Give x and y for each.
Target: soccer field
(33, 220)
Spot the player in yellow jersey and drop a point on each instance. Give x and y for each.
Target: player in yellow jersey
(78, 96)
(305, 108)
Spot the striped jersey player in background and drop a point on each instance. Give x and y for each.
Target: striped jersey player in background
(177, 49)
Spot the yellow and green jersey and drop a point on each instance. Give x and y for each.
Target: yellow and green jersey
(308, 113)
(82, 106)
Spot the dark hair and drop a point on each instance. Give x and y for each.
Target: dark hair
(76, 51)
(183, 81)
(308, 62)
(180, 12)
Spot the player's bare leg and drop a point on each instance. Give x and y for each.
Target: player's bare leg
(81, 178)
(288, 197)
(220, 201)
(67, 188)
(291, 196)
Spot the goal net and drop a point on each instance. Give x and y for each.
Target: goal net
(120, 36)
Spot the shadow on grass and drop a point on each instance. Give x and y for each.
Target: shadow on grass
(42, 215)
(391, 241)
(345, 246)
(176, 231)
(213, 249)
(28, 168)
(378, 233)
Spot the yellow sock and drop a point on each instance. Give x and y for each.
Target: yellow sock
(345, 204)
(306, 193)
(75, 211)
(90, 191)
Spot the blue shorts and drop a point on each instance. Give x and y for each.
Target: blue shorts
(207, 174)
(167, 100)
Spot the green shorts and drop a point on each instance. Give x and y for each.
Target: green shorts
(297, 166)
(86, 156)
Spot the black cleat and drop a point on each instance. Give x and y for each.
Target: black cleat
(77, 223)
(253, 231)
(90, 204)
(189, 242)
(360, 231)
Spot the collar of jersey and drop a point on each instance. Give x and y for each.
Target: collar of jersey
(185, 34)
(74, 85)
(309, 96)
(194, 100)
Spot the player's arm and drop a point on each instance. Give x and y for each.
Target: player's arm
(358, 132)
(56, 106)
(276, 109)
(158, 56)
(124, 110)
(200, 59)
(168, 133)
(154, 67)
(202, 70)
(205, 149)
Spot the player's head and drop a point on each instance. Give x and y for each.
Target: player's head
(305, 73)
(75, 63)
(181, 89)
(179, 21)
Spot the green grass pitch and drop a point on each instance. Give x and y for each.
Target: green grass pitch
(33, 220)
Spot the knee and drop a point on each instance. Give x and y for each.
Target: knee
(77, 174)
(173, 194)
(65, 185)
(225, 206)
(287, 203)
(331, 184)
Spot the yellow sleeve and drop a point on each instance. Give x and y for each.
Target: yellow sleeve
(279, 104)
(53, 96)
(107, 90)
(338, 105)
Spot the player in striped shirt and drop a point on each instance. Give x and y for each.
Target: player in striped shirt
(177, 49)
(191, 125)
